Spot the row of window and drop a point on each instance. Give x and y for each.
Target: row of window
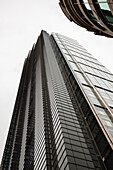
(72, 122)
(75, 93)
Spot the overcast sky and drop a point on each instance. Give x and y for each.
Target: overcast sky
(21, 22)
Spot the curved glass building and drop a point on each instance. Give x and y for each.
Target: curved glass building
(95, 16)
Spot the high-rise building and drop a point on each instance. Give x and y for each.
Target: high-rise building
(94, 15)
(63, 114)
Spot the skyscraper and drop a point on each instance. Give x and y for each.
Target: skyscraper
(96, 16)
(63, 114)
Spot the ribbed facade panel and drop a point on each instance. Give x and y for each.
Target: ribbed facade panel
(96, 16)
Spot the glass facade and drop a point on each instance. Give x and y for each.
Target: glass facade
(94, 78)
(104, 6)
(63, 116)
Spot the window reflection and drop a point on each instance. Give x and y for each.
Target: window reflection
(103, 4)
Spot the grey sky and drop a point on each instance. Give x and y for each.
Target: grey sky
(21, 21)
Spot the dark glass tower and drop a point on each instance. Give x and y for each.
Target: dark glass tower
(94, 15)
(63, 114)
